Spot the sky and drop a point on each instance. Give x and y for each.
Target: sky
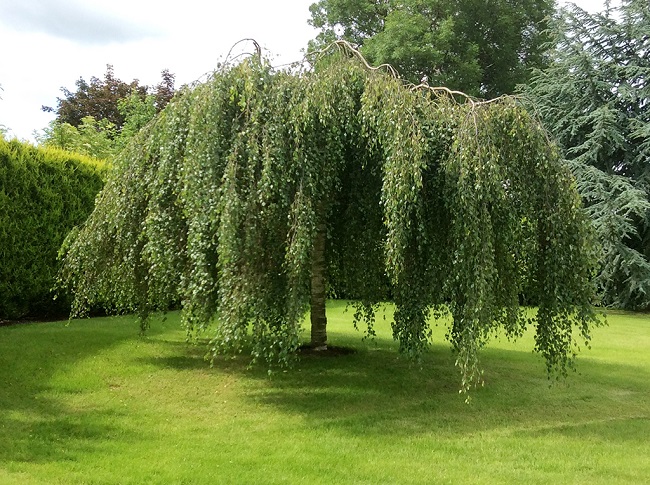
(49, 44)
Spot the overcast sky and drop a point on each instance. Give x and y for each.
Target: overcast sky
(47, 44)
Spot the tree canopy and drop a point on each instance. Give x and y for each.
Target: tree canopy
(482, 48)
(594, 99)
(245, 187)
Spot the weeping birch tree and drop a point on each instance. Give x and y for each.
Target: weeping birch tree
(241, 197)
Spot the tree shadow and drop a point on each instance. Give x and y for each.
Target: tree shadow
(57, 433)
(37, 421)
(377, 391)
(612, 429)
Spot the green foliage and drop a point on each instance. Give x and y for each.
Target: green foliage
(137, 112)
(43, 194)
(464, 44)
(100, 138)
(216, 204)
(100, 99)
(101, 116)
(594, 99)
(92, 138)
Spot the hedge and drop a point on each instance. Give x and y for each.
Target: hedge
(44, 192)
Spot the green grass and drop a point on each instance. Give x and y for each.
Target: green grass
(94, 403)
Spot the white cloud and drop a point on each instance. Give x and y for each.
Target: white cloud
(71, 20)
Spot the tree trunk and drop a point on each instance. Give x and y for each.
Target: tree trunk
(317, 300)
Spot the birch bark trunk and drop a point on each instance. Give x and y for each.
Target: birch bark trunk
(317, 300)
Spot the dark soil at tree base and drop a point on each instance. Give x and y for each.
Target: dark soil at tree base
(331, 351)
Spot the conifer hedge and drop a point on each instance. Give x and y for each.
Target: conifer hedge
(44, 193)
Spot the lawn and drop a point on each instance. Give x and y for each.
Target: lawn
(94, 403)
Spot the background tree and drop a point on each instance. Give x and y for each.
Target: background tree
(164, 90)
(235, 196)
(100, 98)
(97, 98)
(101, 137)
(594, 99)
(482, 48)
(91, 138)
(137, 112)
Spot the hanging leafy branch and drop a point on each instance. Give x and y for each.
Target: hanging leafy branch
(249, 188)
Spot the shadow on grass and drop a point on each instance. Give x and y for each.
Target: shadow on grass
(55, 433)
(37, 421)
(377, 391)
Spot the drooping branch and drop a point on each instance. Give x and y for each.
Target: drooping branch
(258, 50)
(344, 47)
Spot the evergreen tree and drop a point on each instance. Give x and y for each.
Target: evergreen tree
(594, 98)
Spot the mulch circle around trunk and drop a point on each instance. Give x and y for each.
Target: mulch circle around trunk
(331, 351)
